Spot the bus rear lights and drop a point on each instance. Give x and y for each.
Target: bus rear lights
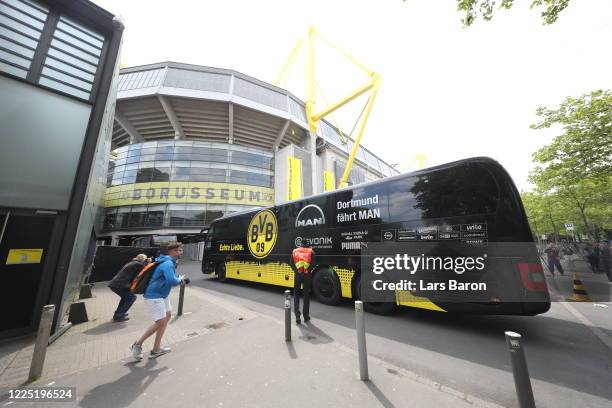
(532, 277)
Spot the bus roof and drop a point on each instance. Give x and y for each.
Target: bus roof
(476, 159)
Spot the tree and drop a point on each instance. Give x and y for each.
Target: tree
(574, 172)
(584, 150)
(485, 8)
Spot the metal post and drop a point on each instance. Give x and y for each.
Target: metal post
(287, 315)
(519, 370)
(42, 341)
(181, 297)
(361, 341)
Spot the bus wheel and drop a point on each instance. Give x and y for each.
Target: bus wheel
(379, 308)
(220, 270)
(326, 286)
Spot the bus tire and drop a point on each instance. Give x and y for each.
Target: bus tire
(220, 271)
(379, 308)
(326, 286)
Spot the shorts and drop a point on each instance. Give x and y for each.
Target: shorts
(158, 307)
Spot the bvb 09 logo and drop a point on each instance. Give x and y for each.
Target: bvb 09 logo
(263, 231)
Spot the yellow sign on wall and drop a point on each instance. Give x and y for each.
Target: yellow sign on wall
(190, 192)
(294, 178)
(24, 256)
(329, 184)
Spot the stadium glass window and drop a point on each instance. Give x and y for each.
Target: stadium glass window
(110, 218)
(155, 215)
(148, 157)
(180, 174)
(133, 159)
(144, 175)
(195, 214)
(117, 181)
(182, 156)
(119, 162)
(123, 215)
(129, 176)
(161, 174)
(164, 149)
(176, 215)
(180, 149)
(137, 216)
(163, 156)
(148, 151)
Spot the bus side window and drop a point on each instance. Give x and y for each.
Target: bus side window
(467, 189)
(210, 237)
(401, 200)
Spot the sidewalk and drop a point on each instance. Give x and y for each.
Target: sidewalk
(249, 364)
(223, 355)
(596, 284)
(101, 341)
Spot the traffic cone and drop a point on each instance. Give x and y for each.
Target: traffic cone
(580, 293)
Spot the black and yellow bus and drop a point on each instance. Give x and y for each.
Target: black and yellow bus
(465, 207)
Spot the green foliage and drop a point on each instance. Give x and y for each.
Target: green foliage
(484, 9)
(573, 177)
(584, 150)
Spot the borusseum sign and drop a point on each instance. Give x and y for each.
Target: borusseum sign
(188, 192)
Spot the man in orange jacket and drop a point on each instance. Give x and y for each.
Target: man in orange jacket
(302, 262)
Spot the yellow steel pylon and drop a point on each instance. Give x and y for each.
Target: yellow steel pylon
(313, 116)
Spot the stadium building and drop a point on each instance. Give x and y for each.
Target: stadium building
(193, 143)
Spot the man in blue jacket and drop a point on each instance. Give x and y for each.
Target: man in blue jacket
(156, 298)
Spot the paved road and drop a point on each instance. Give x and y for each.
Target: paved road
(569, 365)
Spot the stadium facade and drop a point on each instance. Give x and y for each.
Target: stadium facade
(193, 143)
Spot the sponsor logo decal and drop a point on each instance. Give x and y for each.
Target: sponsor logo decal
(353, 245)
(231, 247)
(309, 216)
(315, 242)
(262, 234)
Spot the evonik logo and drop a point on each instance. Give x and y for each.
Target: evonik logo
(313, 241)
(309, 216)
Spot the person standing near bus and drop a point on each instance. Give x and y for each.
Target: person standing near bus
(604, 256)
(554, 259)
(302, 262)
(120, 284)
(156, 298)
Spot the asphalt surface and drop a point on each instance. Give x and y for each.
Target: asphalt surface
(569, 365)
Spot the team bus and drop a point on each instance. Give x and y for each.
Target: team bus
(467, 207)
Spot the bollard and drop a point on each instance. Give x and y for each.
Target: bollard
(519, 370)
(361, 341)
(181, 297)
(287, 315)
(42, 341)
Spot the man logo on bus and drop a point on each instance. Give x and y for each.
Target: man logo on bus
(309, 216)
(262, 234)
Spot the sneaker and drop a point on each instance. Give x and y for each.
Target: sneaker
(298, 321)
(162, 350)
(136, 351)
(306, 319)
(121, 319)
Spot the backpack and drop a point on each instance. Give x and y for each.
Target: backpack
(141, 281)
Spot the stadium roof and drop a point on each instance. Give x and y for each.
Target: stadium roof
(170, 100)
